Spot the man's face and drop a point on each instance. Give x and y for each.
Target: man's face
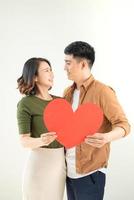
(73, 67)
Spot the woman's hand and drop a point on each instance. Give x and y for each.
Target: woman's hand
(48, 138)
(44, 140)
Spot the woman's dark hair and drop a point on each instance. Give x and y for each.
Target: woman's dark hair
(81, 49)
(26, 83)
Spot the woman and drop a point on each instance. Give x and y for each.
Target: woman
(44, 175)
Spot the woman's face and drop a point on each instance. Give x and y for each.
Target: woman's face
(45, 75)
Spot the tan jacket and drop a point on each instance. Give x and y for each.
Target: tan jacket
(89, 158)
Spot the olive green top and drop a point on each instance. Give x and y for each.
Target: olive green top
(30, 117)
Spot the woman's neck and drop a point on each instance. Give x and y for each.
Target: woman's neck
(43, 94)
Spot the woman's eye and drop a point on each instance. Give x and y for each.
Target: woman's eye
(47, 70)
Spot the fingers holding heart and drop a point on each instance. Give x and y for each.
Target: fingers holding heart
(96, 140)
(48, 138)
(95, 143)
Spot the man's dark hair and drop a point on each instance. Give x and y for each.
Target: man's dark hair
(81, 49)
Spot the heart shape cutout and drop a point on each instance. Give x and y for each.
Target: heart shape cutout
(72, 127)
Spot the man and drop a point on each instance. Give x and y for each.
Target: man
(87, 162)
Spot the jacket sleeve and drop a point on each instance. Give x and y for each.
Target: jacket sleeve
(113, 110)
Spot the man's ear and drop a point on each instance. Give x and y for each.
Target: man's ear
(84, 63)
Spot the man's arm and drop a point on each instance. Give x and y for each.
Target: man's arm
(116, 116)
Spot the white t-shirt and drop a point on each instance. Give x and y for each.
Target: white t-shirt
(71, 152)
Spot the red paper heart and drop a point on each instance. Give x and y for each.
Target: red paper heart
(72, 127)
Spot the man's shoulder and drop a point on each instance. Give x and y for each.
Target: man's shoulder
(100, 86)
(96, 85)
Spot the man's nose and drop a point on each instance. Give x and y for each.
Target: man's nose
(65, 67)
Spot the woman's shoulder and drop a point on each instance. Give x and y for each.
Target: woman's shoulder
(56, 97)
(25, 100)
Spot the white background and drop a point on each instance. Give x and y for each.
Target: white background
(43, 28)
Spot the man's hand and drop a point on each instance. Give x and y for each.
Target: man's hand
(97, 140)
(100, 139)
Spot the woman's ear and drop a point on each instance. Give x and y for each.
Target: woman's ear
(35, 79)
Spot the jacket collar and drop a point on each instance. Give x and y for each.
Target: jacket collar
(85, 84)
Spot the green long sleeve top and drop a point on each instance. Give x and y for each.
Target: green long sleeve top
(30, 117)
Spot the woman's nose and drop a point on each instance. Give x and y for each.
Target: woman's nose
(52, 74)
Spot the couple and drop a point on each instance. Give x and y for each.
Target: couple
(50, 165)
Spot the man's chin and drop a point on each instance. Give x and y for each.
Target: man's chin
(69, 78)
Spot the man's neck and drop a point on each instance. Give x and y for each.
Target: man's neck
(81, 81)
